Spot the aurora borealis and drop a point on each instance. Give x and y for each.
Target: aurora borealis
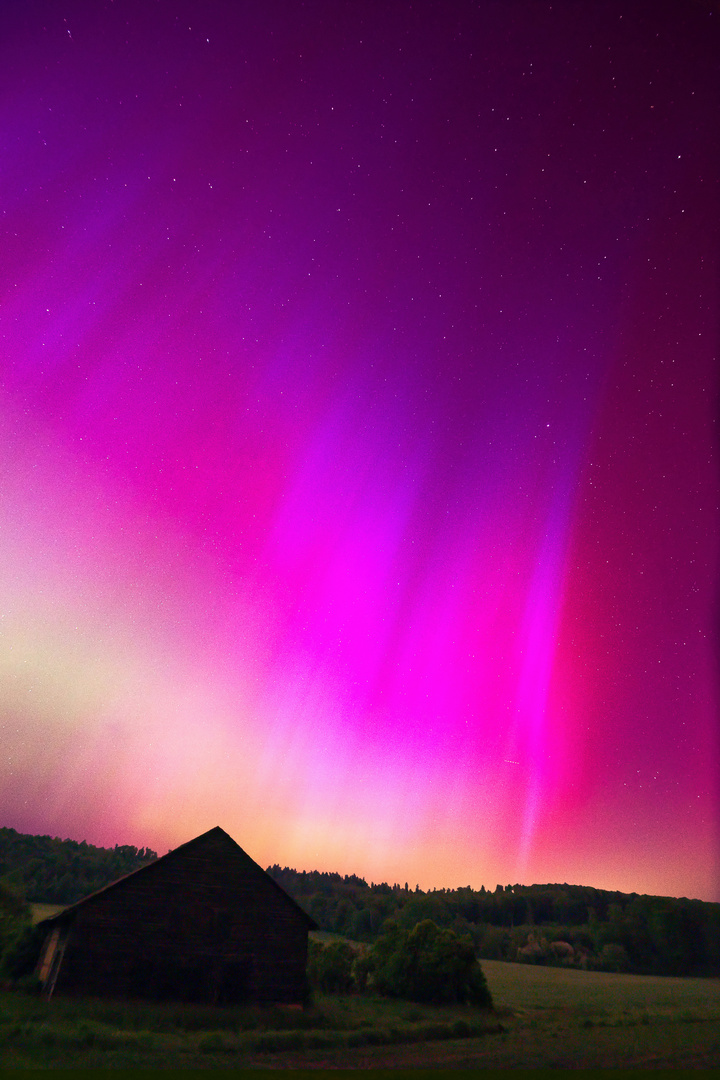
(358, 452)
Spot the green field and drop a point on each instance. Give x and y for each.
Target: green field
(44, 911)
(525, 986)
(561, 1018)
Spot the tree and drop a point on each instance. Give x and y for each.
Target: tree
(330, 967)
(424, 907)
(428, 964)
(614, 957)
(14, 914)
(20, 941)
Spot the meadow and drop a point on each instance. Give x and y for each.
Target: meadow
(543, 1017)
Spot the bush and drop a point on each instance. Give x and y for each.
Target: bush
(535, 952)
(14, 917)
(428, 964)
(29, 984)
(613, 957)
(361, 968)
(22, 952)
(330, 967)
(494, 942)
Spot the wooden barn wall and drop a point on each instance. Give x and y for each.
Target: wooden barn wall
(209, 925)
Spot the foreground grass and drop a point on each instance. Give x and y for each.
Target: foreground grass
(545, 1017)
(91, 1033)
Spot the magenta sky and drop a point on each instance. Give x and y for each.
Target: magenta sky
(358, 459)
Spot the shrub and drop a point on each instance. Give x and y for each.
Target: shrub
(428, 964)
(535, 952)
(613, 957)
(494, 942)
(330, 967)
(361, 968)
(29, 984)
(14, 919)
(22, 951)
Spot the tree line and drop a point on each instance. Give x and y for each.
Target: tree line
(559, 924)
(47, 870)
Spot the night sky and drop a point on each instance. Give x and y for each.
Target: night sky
(359, 485)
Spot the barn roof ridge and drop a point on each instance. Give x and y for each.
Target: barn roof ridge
(71, 908)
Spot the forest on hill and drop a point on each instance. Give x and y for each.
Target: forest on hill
(47, 870)
(568, 925)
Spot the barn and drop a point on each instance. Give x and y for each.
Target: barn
(203, 923)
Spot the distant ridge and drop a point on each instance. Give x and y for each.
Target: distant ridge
(52, 871)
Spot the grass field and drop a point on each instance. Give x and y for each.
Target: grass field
(544, 1017)
(44, 911)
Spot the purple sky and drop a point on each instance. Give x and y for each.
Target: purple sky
(358, 434)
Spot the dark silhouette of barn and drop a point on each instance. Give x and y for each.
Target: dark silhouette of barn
(203, 923)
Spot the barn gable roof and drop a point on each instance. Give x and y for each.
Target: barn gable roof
(216, 834)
